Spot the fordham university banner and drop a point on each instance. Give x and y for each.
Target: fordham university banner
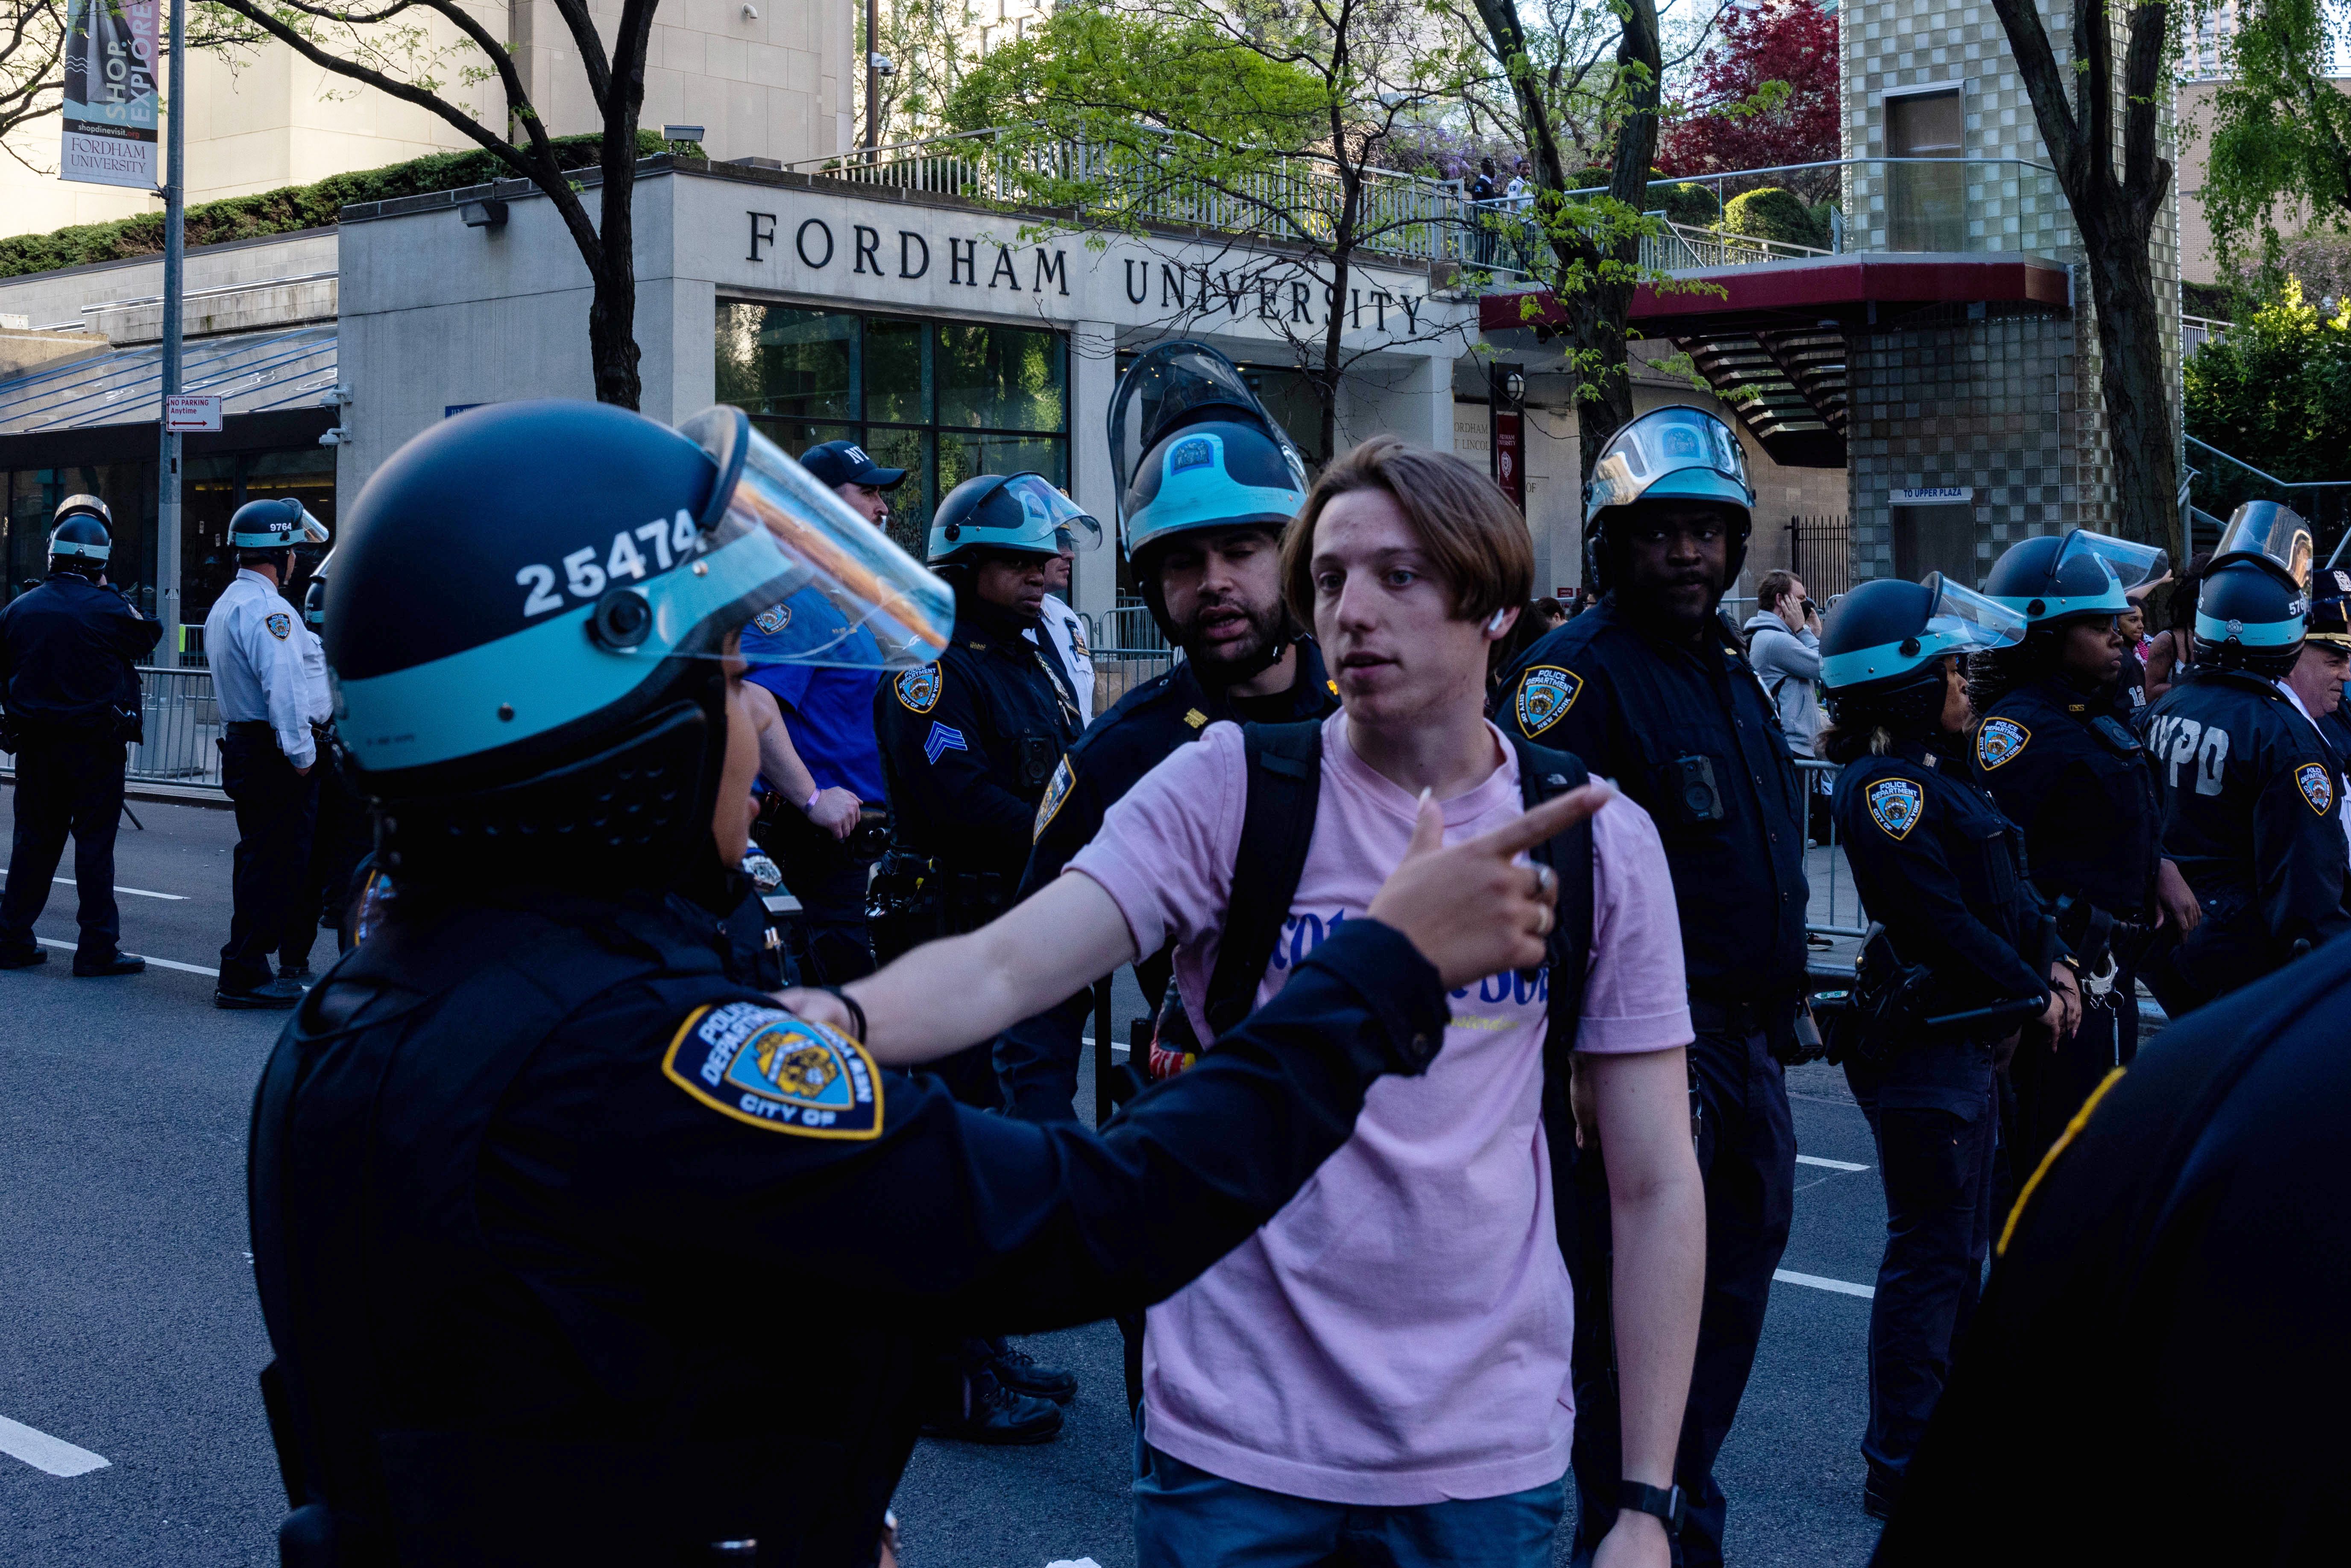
(110, 96)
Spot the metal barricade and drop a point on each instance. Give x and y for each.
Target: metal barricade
(1826, 867)
(182, 723)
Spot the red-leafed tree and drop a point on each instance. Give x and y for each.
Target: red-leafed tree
(1765, 95)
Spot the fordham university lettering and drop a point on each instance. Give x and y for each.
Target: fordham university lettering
(1267, 290)
(814, 243)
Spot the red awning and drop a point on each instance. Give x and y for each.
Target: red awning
(1831, 286)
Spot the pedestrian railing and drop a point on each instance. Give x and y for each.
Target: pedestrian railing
(1831, 914)
(182, 723)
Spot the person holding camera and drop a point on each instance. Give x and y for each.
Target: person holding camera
(1651, 689)
(69, 687)
(1783, 644)
(1943, 872)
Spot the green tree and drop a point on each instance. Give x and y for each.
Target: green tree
(2281, 146)
(2275, 392)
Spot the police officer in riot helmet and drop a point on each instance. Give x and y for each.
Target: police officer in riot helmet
(2068, 771)
(2251, 791)
(1652, 689)
(2319, 674)
(969, 744)
(68, 702)
(1963, 953)
(340, 841)
(1207, 481)
(549, 1216)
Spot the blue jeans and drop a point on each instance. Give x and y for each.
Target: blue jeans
(1186, 1518)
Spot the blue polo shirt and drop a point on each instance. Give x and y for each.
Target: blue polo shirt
(828, 706)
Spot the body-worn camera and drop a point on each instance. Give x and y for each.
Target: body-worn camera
(1697, 797)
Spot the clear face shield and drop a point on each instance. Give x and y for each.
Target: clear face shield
(2273, 534)
(1174, 384)
(1961, 621)
(1049, 519)
(1665, 442)
(815, 583)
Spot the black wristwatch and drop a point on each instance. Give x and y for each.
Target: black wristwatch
(1667, 1502)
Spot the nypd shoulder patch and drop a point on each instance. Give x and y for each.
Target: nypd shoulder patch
(1078, 639)
(918, 689)
(1064, 779)
(278, 625)
(771, 1070)
(774, 620)
(2317, 787)
(1895, 805)
(1997, 741)
(1545, 694)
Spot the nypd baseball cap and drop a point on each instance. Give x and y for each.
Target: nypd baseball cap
(838, 463)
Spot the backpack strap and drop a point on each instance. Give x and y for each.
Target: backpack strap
(1545, 774)
(1284, 769)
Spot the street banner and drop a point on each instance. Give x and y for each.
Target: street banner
(111, 96)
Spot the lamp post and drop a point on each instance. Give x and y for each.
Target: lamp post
(167, 465)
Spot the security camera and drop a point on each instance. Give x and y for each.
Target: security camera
(881, 63)
(332, 438)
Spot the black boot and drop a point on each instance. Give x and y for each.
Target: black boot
(1020, 1372)
(996, 1415)
(1881, 1491)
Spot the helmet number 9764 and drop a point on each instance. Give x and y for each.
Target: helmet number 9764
(669, 543)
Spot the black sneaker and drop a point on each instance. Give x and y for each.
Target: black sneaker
(120, 964)
(998, 1416)
(1018, 1371)
(23, 957)
(275, 995)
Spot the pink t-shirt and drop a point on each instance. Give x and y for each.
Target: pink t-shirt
(1399, 1333)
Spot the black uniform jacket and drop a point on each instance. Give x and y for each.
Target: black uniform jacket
(1686, 731)
(2252, 810)
(1118, 748)
(67, 652)
(1935, 861)
(2162, 1338)
(573, 1250)
(968, 747)
(2060, 764)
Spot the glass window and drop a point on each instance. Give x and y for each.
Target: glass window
(945, 401)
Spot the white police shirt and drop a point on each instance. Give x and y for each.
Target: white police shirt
(1065, 628)
(255, 641)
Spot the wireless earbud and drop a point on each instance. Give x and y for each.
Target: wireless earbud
(1494, 623)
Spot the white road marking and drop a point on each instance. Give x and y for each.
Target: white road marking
(43, 1452)
(140, 892)
(1789, 1277)
(159, 963)
(1829, 1165)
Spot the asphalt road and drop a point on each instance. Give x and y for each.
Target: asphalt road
(128, 1329)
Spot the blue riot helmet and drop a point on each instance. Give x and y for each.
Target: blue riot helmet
(314, 597)
(2271, 533)
(1883, 642)
(280, 524)
(2250, 616)
(82, 541)
(1192, 447)
(1675, 455)
(1008, 514)
(548, 704)
(2075, 576)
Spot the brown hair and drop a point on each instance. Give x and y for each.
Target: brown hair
(1772, 589)
(1474, 538)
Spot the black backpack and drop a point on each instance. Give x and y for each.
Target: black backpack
(1284, 763)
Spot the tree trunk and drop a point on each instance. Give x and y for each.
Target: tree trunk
(612, 312)
(1596, 319)
(2130, 381)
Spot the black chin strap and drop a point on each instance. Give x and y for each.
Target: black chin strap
(1218, 677)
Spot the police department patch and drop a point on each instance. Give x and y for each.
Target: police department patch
(918, 689)
(1545, 694)
(774, 1070)
(1999, 741)
(2317, 786)
(774, 620)
(1055, 793)
(278, 624)
(1895, 805)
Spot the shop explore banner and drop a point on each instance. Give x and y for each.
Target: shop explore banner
(110, 96)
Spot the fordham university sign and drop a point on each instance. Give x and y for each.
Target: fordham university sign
(933, 260)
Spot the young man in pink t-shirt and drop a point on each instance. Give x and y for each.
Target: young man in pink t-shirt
(1385, 1366)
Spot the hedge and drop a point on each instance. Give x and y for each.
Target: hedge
(284, 211)
(1772, 214)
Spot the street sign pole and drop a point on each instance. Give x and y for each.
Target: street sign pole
(167, 466)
